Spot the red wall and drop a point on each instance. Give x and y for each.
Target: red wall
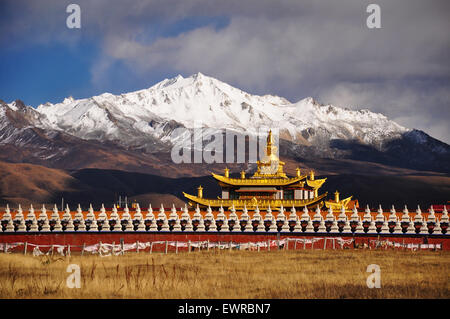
(78, 239)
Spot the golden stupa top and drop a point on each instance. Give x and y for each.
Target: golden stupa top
(269, 173)
(270, 166)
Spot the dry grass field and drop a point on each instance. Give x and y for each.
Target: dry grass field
(230, 274)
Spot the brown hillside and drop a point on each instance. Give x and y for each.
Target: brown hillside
(28, 183)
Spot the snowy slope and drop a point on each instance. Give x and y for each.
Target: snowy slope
(146, 116)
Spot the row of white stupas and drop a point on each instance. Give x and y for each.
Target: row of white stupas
(267, 221)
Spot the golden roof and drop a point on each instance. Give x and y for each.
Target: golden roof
(252, 203)
(275, 181)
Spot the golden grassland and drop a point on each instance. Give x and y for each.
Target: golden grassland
(230, 274)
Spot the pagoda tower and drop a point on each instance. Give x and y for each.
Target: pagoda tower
(269, 186)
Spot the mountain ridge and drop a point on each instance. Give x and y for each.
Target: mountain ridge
(146, 121)
(217, 105)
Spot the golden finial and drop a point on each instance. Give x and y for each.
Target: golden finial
(242, 174)
(227, 172)
(298, 172)
(269, 147)
(311, 175)
(200, 191)
(336, 196)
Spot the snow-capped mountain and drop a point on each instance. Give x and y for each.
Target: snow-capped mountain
(139, 117)
(146, 120)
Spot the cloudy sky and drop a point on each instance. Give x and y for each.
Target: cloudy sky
(294, 49)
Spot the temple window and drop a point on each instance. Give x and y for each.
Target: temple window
(288, 194)
(234, 195)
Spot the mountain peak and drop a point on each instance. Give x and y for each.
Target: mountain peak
(198, 75)
(17, 105)
(68, 100)
(168, 82)
(202, 78)
(309, 100)
(197, 81)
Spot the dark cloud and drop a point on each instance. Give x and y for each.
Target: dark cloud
(290, 48)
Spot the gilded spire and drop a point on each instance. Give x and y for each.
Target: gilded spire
(270, 165)
(270, 148)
